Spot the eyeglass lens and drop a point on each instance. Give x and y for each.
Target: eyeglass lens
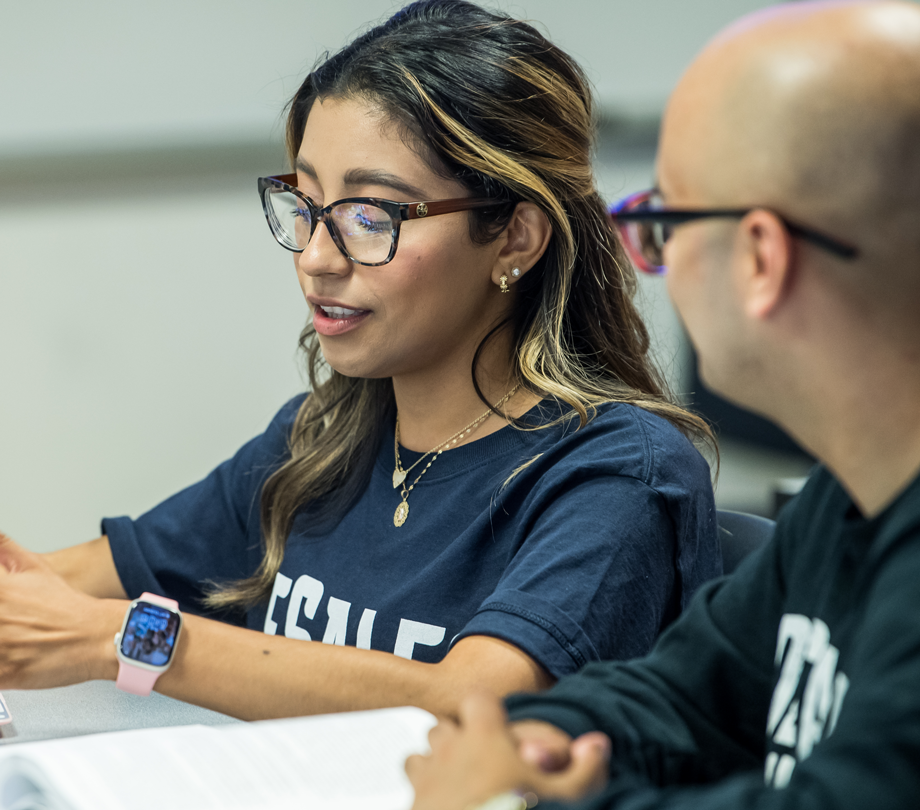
(645, 240)
(362, 231)
(653, 235)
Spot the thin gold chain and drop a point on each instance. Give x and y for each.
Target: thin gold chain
(399, 475)
(454, 438)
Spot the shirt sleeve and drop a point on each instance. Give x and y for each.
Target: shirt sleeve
(208, 532)
(596, 575)
(695, 707)
(688, 722)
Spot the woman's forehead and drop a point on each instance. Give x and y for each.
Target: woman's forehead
(353, 141)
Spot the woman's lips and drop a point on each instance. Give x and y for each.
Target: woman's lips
(331, 321)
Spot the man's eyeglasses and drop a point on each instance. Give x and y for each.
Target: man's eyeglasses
(646, 225)
(364, 229)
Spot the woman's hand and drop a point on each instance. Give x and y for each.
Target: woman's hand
(50, 633)
(479, 757)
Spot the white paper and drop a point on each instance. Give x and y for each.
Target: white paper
(340, 761)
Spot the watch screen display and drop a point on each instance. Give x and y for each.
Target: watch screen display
(150, 634)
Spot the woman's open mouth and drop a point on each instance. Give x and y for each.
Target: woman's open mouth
(331, 321)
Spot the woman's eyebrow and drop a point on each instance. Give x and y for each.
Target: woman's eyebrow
(301, 165)
(378, 177)
(368, 177)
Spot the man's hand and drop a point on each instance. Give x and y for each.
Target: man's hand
(542, 745)
(479, 757)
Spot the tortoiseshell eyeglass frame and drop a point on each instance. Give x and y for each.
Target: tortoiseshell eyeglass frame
(398, 213)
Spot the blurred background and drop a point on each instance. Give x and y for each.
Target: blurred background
(148, 321)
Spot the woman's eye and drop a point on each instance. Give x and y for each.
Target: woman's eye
(369, 224)
(366, 220)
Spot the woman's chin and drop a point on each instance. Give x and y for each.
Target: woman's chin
(352, 367)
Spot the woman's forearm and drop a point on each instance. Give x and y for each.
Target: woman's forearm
(57, 634)
(253, 676)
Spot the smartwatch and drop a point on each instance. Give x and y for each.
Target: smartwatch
(146, 642)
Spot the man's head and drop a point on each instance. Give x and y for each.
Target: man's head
(811, 111)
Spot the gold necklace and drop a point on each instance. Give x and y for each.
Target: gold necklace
(399, 474)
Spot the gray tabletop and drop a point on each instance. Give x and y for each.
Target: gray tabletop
(88, 708)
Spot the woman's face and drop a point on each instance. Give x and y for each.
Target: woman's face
(428, 308)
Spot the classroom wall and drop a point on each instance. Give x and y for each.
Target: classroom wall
(148, 321)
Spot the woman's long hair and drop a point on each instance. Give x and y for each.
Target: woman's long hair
(489, 102)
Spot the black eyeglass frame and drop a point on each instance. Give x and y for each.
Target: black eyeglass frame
(397, 211)
(677, 216)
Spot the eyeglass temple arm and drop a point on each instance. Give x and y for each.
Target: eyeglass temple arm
(830, 244)
(420, 210)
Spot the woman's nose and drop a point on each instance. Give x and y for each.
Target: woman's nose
(322, 256)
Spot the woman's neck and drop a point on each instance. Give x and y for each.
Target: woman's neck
(433, 406)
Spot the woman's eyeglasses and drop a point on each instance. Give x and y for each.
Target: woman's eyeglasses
(645, 225)
(364, 229)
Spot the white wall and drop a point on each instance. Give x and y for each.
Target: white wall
(101, 72)
(148, 321)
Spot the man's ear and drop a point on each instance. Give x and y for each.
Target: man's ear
(525, 240)
(767, 266)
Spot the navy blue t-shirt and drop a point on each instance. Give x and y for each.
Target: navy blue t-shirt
(585, 554)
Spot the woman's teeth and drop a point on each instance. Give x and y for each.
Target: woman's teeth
(339, 312)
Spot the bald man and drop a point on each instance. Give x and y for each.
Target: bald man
(789, 182)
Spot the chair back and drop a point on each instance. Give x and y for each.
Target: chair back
(739, 534)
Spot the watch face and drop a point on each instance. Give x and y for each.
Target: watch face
(150, 634)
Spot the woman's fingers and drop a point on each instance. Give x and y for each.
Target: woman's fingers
(14, 557)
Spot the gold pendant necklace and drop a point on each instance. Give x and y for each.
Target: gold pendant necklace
(399, 474)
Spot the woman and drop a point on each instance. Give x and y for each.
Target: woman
(487, 485)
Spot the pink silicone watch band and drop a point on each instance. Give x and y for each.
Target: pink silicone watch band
(133, 679)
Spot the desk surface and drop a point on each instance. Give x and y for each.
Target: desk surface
(88, 708)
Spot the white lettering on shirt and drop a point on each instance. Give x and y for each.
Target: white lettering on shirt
(412, 633)
(280, 589)
(365, 629)
(802, 712)
(307, 592)
(336, 627)
(304, 599)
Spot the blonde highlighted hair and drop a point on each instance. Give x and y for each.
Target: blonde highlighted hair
(491, 103)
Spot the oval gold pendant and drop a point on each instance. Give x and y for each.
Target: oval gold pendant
(402, 512)
(398, 477)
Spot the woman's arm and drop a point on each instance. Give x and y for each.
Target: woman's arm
(52, 633)
(252, 675)
(88, 567)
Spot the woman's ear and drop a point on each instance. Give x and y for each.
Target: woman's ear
(525, 240)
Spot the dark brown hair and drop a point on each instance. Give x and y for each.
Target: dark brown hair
(490, 102)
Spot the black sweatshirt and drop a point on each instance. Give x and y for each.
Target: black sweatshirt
(793, 683)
